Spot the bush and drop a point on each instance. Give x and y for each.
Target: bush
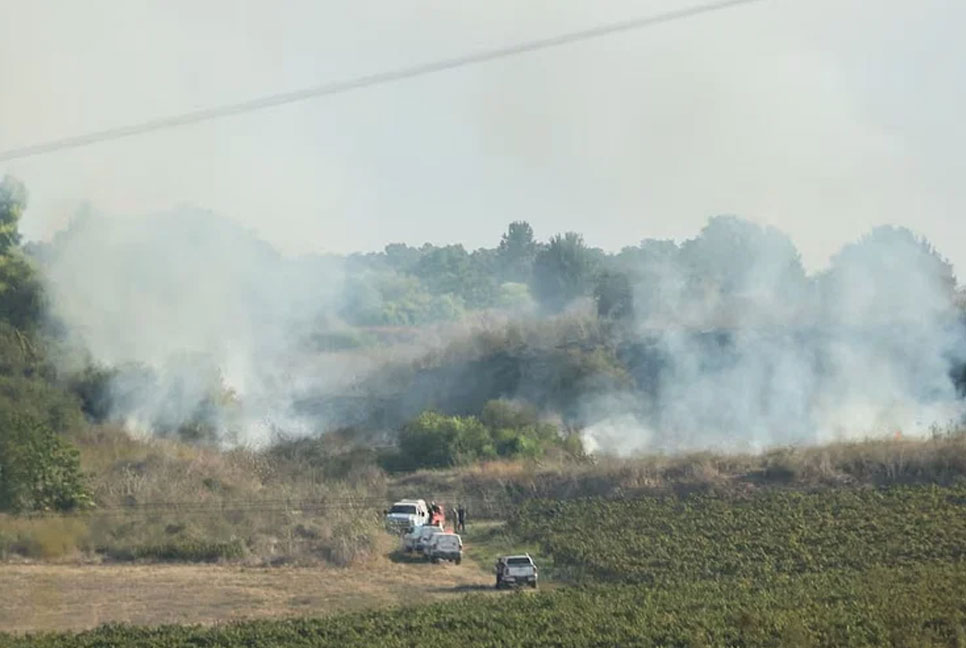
(39, 470)
(434, 440)
(45, 537)
(503, 430)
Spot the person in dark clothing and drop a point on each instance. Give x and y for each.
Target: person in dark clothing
(461, 518)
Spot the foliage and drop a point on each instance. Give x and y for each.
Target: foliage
(390, 299)
(39, 471)
(13, 201)
(905, 606)
(732, 256)
(563, 271)
(506, 430)
(516, 252)
(92, 385)
(43, 537)
(613, 295)
(20, 291)
(765, 536)
(451, 270)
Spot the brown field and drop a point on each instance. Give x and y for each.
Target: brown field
(59, 597)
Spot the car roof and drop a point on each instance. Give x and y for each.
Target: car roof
(527, 556)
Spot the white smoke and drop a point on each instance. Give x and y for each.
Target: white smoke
(737, 348)
(747, 352)
(200, 316)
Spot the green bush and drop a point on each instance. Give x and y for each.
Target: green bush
(503, 430)
(39, 470)
(434, 440)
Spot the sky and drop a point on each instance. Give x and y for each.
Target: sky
(823, 118)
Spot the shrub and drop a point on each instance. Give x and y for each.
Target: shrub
(503, 430)
(45, 537)
(39, 470)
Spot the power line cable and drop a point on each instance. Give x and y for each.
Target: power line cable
(339, 87)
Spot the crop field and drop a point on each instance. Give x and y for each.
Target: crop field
(772, 533)
(904, 606)
(836, 568)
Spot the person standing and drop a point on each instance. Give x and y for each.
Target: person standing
(461, 518)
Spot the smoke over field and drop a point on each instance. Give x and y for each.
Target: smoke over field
(723, 341)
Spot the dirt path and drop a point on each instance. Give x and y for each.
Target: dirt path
(48, 597)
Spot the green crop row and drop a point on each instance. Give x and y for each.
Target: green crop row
(903, 606)
(698, 537)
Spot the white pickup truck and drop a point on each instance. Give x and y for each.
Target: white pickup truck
(407, 513)
(418, 537)
(444, 546)
(516, 570)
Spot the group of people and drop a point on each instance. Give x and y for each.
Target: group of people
(436, 516)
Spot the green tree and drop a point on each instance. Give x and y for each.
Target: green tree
(39, 470)
(742, 258)
(13, 201)
(563, 271)
(452, 270)
(20, 290)
(401, 257)
(434, 440)
(517, 252)
(614, 296)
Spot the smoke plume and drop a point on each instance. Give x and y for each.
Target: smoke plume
(731, 345)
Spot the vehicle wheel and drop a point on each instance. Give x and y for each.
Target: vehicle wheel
(498, 584)
(458, 561)
(434, 560)
(533, 585)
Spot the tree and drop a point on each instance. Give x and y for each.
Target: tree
(13, 201)
(39, 470)
(20, 290)
(451, 270)
(563, 271)
(434, 440)
(401, 257)
(517, 252)
(614, 297)
(887, 275)
(742, 258)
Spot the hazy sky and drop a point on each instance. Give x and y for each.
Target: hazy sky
(822, 117)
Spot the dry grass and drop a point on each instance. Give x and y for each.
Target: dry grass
(160, 499)
(75, 597)
(163, 500)
(43, 538)
(494, 486)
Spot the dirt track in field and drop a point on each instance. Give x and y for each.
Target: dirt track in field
(46, 597)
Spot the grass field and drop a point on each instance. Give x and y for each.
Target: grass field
(47, 597)
(916, 606)
(848, 545)
(848, 567)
